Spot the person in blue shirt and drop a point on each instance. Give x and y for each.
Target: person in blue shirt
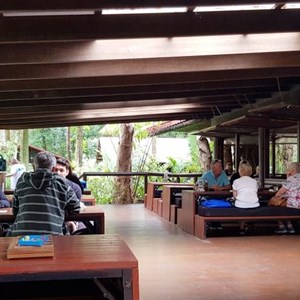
(217, 180)
(216, 177)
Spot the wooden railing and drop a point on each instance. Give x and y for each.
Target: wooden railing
(146, 175)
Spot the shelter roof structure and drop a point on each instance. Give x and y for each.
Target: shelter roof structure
(68, 63)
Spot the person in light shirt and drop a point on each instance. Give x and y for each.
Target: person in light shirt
(17, 169)
(245, 191)
(291, 191)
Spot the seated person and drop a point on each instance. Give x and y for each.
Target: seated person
(228, 169)
(236, 175)
(291, 191)
(73, 177)
(41, 200)
(62, 168)
(256, 174)
(245, 191)
(3, 204)
(216, 177)
(3, 200)
(217, 180)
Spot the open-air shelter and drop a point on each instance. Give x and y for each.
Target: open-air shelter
(221, 71)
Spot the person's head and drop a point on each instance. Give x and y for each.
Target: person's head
(14, 161)
(244, 162)
(292, 168)
(245, 170)
(44, 160)
(257, 170)
(62, 167)
(216, 167)
(228, 166)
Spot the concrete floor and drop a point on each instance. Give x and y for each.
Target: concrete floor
(175, 265)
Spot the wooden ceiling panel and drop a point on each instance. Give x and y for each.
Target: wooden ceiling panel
(93, 27)
(55, 70)
(65, 5)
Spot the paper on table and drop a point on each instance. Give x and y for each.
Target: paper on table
(3, 211)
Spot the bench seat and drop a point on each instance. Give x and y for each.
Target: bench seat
(206, 214)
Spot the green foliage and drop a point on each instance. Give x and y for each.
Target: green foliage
(102, 188)
(54, 140)
(8, 149)
(284, 153)
(50, 139)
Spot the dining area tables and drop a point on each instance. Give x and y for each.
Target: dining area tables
(92, 216)
(83, 267)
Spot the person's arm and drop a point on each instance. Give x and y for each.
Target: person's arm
(226, 187)
(10, 174)
(73, 205)
(281, 192)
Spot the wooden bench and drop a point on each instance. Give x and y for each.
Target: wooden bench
(262, 213)
(186, 215)
(88, 200)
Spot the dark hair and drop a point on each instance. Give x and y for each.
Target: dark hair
(64, 162)
(44, 160)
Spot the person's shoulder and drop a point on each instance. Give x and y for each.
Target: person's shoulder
(207, 173)
(223, 173)
(59, 179)
(76, 188)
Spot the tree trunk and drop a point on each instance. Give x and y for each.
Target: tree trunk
(68, 143)
(154, 146)
(227, 154)
(99, 156)
(7, 135)
(24, 149)
(123, 189)
(79, 142)
(287, 154)
(205, 153)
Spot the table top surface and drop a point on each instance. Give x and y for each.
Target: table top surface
(170, 183)
(72, 254)
(176, 186)
(89, 211)
(9, 196)
(262, 192)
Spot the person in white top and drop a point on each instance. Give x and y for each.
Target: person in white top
(245, 191)
(17, 169)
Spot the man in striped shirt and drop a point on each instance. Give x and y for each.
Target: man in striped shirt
(41, 199)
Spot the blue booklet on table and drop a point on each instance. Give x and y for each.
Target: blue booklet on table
(33, 240)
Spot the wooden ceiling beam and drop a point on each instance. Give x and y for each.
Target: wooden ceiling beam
(41, 107)
(53, 5)
(79, 51)
(116, 115)
(93, 27)
(209, 78)
(242, 63)
(138, 93)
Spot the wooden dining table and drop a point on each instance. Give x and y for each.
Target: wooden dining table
(87, 199)
(92, 216)
(167, 194)
(83, 267)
